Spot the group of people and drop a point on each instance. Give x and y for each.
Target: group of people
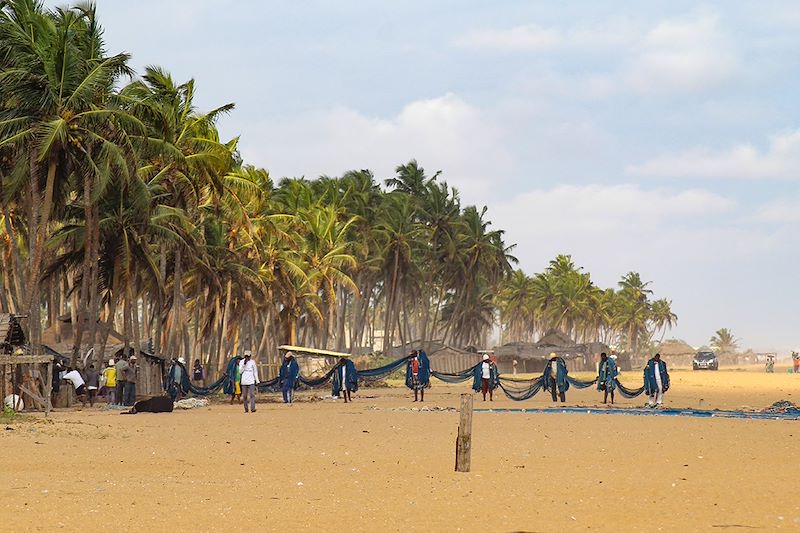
(117, 380)
(656, 378)
(246, 380)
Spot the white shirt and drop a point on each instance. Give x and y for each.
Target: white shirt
(657, 375)
(75, 377)
(249, 372)
(486, 371)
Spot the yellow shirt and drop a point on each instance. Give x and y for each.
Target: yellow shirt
(111, 376)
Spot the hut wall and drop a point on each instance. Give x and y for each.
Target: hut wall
(452, 361)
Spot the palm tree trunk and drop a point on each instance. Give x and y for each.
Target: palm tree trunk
(159, 303)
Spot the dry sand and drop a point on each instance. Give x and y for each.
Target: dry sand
(366, 466)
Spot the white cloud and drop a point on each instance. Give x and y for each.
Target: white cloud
(683, 56)
(781, 160)
(597, 209)
(444, 133)
(534, 38)
(782, 211)
(673, 56)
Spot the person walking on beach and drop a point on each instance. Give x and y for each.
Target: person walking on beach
(287, 378)
(345, 379)
(796, 362)
(555, 377)
(110, 373)
(607, 377)
(131, 373)
(92, 383)
(249, 380)
(656, 381)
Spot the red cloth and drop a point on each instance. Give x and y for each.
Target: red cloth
(414, 366)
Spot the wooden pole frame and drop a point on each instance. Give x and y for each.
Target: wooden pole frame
(47, 360)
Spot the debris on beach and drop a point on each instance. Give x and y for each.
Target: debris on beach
(782, 406)
(191, 403)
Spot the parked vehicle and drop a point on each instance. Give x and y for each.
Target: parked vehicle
(705, 361)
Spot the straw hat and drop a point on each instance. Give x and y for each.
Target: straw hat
(485, 357)
(553, 355)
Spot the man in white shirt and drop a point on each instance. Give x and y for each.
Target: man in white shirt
(249, 373)
(77, 381)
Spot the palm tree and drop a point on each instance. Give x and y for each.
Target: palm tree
(662, 316)
(724, 342)
(59, 116)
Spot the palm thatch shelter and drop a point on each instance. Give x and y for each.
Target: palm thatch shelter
(676, 352)
(531, 357)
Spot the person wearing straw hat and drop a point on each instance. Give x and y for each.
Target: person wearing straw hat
(249, 372)
(555, 377)
(287, 378)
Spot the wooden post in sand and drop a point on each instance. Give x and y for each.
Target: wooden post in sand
(464, 439)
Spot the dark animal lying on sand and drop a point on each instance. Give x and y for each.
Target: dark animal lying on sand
(157, 404)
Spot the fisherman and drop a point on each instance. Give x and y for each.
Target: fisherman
(607, 377)
(131, 375)
(418, 374)
(77, 381)
(236, 376)
(555, 377)
(198, 372)
(110, 373)
(656, 381)
(486, 377)
(92, 383)
(121, 365)
(287, 378)
(345, 379)
(179, 368)
(249, 379)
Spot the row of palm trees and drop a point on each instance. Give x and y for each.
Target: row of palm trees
(123, 208)
(563, 297)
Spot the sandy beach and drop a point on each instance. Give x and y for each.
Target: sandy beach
(375, 465)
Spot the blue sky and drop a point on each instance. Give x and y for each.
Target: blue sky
(659, 136)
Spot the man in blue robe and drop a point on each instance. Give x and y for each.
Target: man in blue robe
(607, 377)
(345, 379)
(555, 377)
(418, 374)
(656, 381)
(287, 377)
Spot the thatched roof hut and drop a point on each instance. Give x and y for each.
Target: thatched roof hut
(676, 352)
(531, 357)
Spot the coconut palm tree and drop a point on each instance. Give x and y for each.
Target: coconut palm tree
(724, 342)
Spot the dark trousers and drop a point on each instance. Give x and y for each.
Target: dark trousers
(561, 395)
(119, 393)
(288, 393)
(129, 395)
